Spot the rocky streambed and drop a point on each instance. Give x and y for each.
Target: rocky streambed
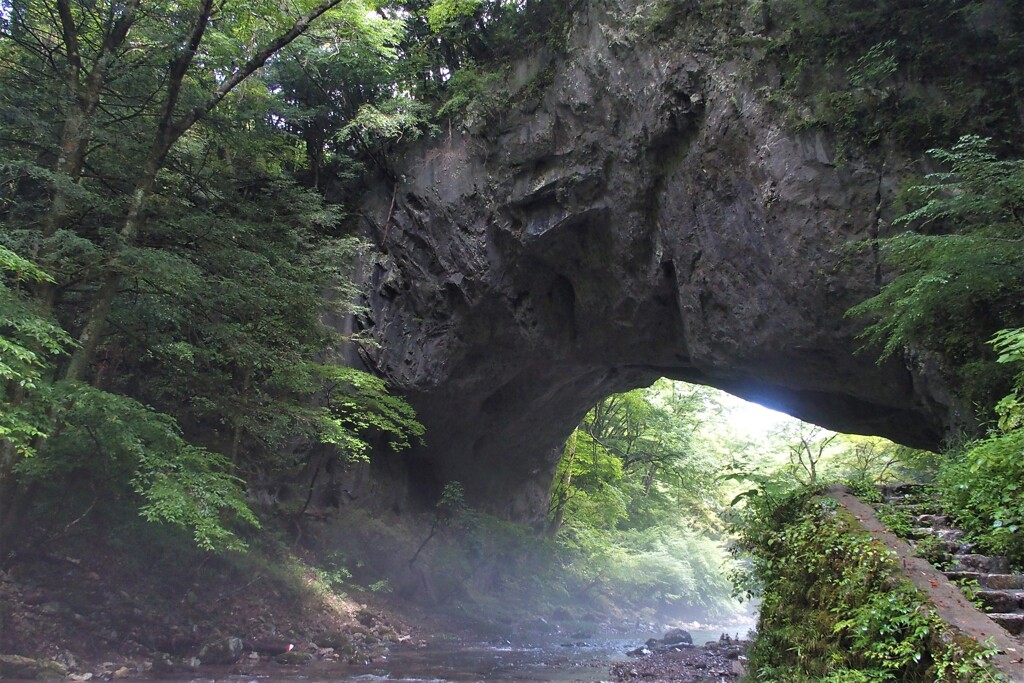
(674, 657)
(92, 615)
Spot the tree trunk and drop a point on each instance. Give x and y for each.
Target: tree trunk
(558, 512)
(169, 131)
(15, 504)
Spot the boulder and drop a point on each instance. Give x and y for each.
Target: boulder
(221, 650)
(339, 641)
(677, 636)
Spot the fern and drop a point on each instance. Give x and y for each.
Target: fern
(959, 271)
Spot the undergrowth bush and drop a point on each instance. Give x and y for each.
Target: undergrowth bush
(896, 520)
(833, 605)
(981, 488)
(982, 484)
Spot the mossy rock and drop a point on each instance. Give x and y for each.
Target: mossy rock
(339, 641)
(386, 634)
(16, 666)
(294, 657)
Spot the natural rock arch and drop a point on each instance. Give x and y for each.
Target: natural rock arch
(646, 216)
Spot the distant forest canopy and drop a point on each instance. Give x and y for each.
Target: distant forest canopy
(168, 253)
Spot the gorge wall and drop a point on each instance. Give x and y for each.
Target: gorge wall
(640, 211)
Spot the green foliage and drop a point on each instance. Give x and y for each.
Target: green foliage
(332, 574)
(130, 444)
(875, 66)
(797, 454)
(28, 340)
(959, 274)
(636, 461)
(160, 185)
(453, 500)
(444, 14)
(660, 17)
(863, 462)
(978, 191)
(916, 73)
(970, 588)
(897, 520)
(636, 478)
(179, 483)
(833, 607)
(381, 586)
(891, 630)
(932, 549)
(1009, 344)
(355, 404)
(958, 283)
(443, 38)
(474, 94)
(982, 487)
(394, 119)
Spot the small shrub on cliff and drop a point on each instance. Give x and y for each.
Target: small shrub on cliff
(958, 270)
(915, 73)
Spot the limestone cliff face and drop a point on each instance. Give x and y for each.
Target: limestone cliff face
(645, 216)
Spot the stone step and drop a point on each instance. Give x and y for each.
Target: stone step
(932, 520)
(989, 581)
(951, 548)
(901, 489)
(1003, 581)
(952, 535)
(1014, 623)
(981, 563)
(1003, 601)
(916, 509)
(947, 541)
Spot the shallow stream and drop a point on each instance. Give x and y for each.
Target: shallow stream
(554, 660)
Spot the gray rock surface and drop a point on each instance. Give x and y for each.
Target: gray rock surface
(646, 215)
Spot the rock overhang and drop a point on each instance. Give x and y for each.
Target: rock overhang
(648, 215)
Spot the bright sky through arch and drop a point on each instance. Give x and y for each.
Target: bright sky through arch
(750, 419)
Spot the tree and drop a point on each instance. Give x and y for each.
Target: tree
(144, 172)
(959, 274)
(869, 460)
(28, 339)
(1009, 344)
(807, 450)
(636, 499)
(327, 83)
(634, 461)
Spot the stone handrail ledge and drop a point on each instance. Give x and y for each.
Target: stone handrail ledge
(948, 600)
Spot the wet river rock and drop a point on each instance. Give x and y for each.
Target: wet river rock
(715, 661)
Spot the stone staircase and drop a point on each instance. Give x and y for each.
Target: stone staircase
(983, 578)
